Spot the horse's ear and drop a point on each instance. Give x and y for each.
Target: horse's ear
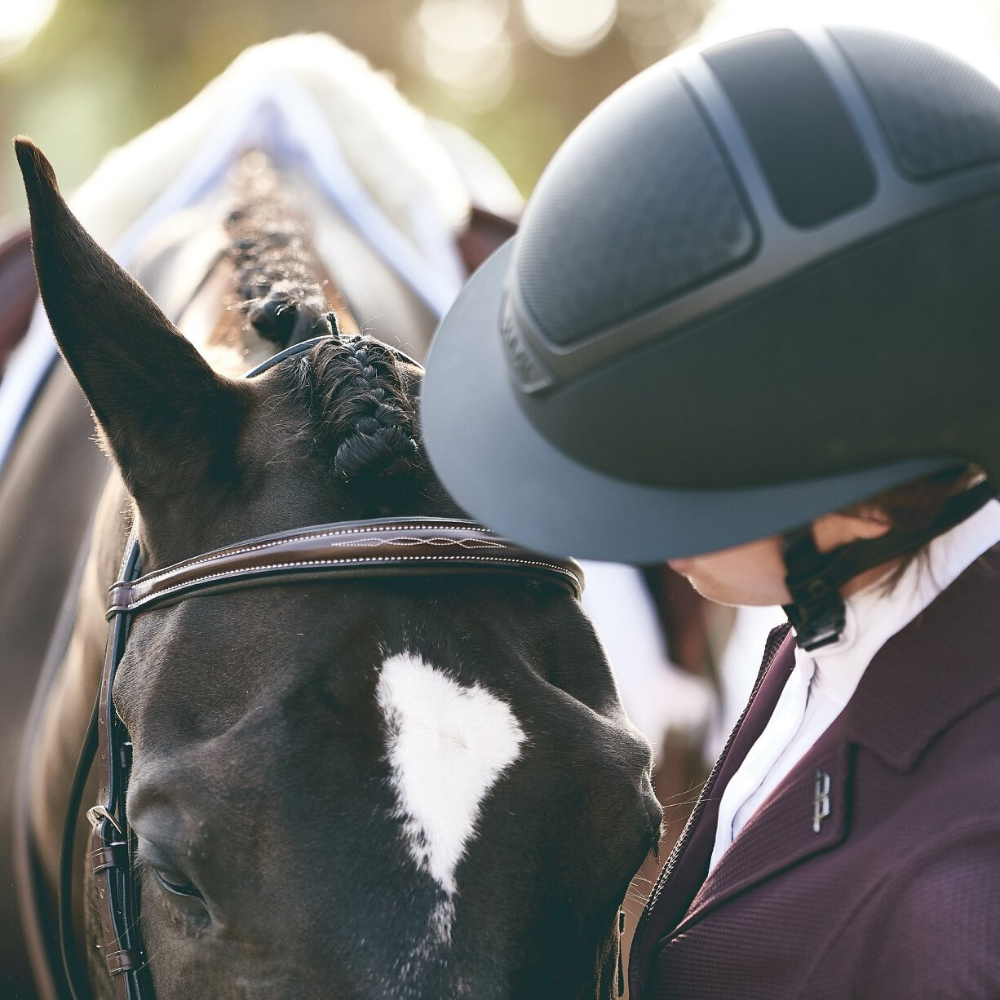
(168, 418)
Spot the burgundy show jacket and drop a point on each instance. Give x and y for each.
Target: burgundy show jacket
(873, 870)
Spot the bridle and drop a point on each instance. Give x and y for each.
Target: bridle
(394, 547)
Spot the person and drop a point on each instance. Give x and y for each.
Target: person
(750, 325)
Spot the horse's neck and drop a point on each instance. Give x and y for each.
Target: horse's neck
(186, 267)
(383, 305)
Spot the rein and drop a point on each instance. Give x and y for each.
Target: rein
(395, 547)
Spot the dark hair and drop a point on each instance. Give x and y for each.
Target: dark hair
(355, 390)
(914, 506)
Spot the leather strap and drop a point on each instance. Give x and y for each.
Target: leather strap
(109, 837)
(396, 546)
(121, 961)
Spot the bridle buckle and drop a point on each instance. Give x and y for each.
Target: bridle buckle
(96, 815)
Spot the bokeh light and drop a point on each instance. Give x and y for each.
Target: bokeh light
(465, 46)
(569, 27)
(654, 29)
(20, 21)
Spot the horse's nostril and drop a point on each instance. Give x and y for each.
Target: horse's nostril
(654, 815)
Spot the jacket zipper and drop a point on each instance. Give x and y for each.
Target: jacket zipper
(775, 639)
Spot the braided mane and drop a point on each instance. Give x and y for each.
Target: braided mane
(361, 401)
(355, 390)
(278, 283)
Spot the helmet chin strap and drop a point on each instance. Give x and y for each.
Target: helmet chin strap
(814, 578)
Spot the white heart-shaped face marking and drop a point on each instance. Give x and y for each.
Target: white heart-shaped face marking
(447, 746)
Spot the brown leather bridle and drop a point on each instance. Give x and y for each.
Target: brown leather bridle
(397, 547)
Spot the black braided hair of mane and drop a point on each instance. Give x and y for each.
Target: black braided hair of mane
(356, 391)
(360, 398)
(271, 249)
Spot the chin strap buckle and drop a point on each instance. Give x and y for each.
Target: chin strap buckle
(822, 629)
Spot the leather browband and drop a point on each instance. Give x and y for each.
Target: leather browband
(396, 546)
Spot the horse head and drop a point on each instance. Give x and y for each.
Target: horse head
(400, 788)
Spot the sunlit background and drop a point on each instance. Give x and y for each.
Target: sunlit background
(81, 76)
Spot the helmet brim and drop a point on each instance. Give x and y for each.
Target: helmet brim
(508, 476)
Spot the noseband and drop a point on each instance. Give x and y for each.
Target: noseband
(396, 547)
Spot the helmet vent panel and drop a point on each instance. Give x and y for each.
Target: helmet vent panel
(676, 226)
(938, 114)
(800, 132)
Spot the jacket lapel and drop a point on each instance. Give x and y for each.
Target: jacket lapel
(806, 814)
(932, 672)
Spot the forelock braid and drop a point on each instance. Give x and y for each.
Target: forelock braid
(366, 411)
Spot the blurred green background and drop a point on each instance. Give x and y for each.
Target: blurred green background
(517, 74)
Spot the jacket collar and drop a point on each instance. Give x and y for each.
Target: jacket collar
(933, 671)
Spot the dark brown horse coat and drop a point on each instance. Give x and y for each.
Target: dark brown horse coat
(898, 894)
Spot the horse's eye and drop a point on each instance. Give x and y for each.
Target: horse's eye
(159, 864)
(176, 884)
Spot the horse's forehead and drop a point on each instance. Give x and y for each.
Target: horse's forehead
(445, 725)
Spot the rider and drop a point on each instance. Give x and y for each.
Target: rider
(754, 307)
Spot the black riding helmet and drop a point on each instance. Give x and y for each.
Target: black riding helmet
(758, 283)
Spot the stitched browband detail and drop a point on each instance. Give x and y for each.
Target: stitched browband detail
(371, 562)
(268, 541)
(374, 548)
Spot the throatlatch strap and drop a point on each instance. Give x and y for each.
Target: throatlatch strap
(815, 578)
